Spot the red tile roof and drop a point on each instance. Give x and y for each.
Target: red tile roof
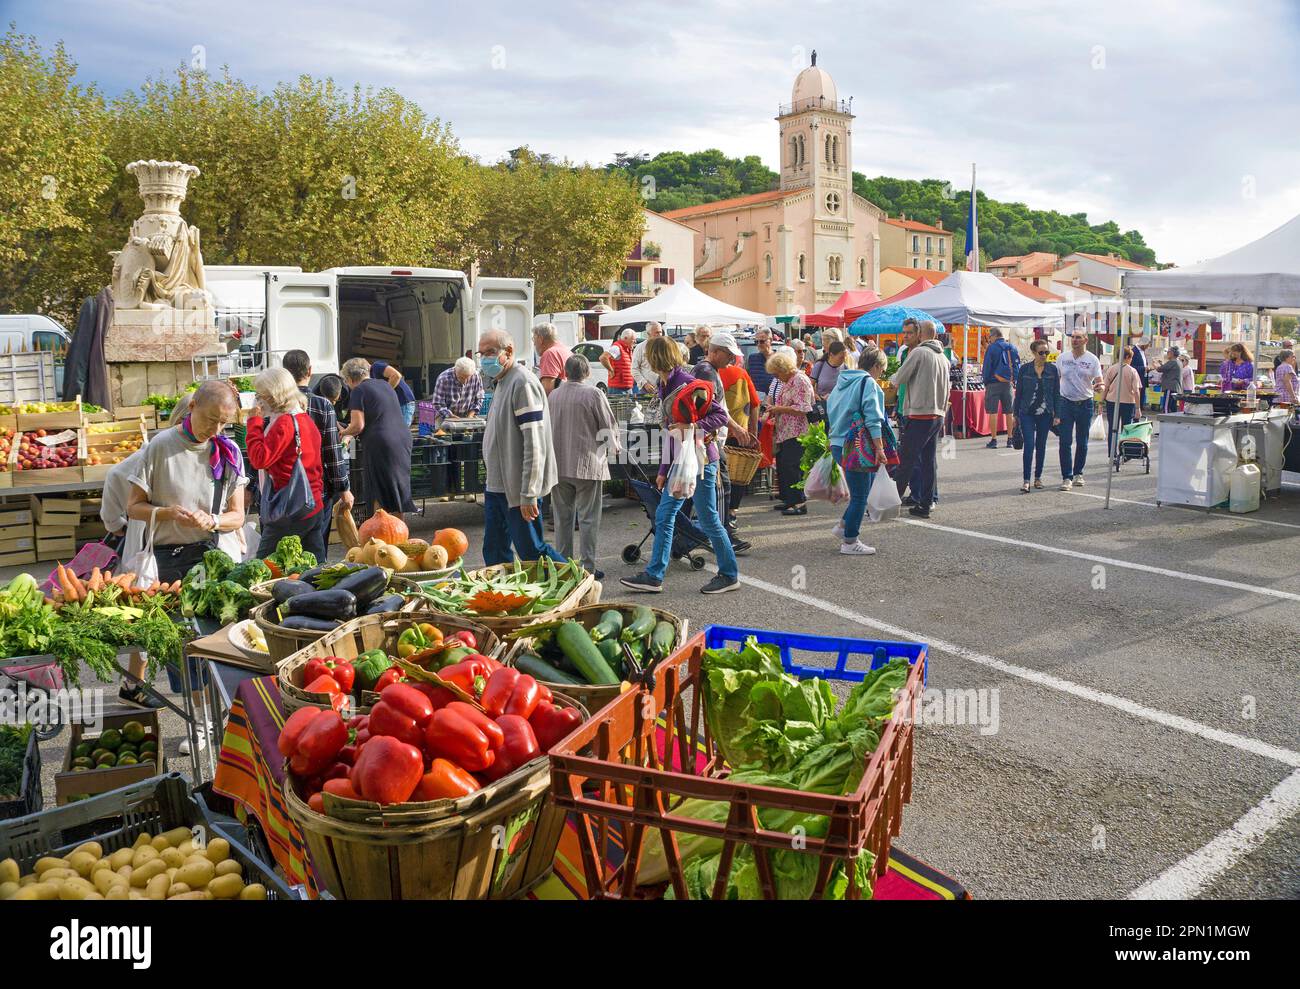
(1032, 291)
(1037, 263)
(1113, 262)
(1007, 262)
(738, 202)
(933, 277)
(1093, 289)
(924, 228)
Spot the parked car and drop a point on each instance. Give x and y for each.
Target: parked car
(592, 349)
(28, 332)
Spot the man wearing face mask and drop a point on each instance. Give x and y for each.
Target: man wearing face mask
(517, 450)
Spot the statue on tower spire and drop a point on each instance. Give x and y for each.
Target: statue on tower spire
(814, 56)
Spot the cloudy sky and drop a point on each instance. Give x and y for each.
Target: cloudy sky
(1178, 117)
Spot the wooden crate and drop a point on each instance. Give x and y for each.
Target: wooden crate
(63, 548)
(26, 377)
(19, 543)
(69, 784)
(17, 559)
(103, 446)
(47, 475)
(16, 517)
(588, 591)
(62, 512)
(52, 421)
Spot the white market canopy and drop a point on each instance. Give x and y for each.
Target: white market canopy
(1264, 274)
(683, 305)
(977, 298)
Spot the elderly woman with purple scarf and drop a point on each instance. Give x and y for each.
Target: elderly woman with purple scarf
(188, 486)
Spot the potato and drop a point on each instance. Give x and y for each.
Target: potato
(198, 894)
(120, 858)
(119, 892)
(157, 887)
(106, 879)
(135, 894)
(125, 873)
(229, 867)
(57, 875)
(141, 876)
(171, 857)
(196, 874)
(226, 887)
(160, 842)
(143, 840)
(38, 891)
(27, 880)
(90, 848)
(8, 889)
(176, 889)
(186, 847)
(172, 870)
(94, 895)
(143, 854)
(101, 865)
(253, 891)
(83, 862)
(217, 850)
(176, 835)
(75, 889)
(44, 864)
(9, 871)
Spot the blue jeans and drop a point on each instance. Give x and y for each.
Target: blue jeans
(618, 392)
(504, 527)
(859, 487)
(408, 412)
(1035, 430)
(706, 517)
(1075, 418)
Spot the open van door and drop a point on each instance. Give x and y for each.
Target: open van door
(302, 314)
(504, 304)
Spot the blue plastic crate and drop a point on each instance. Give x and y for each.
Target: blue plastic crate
(878, 651)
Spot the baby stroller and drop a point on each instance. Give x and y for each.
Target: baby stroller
(1134, 443)
(687, 537)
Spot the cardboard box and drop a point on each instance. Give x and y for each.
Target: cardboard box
(64, 512)
(69, 784)
(17, 559)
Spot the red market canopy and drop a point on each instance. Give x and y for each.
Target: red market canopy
(835, 314)
(916, 288)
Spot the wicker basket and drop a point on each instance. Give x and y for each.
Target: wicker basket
(588, 591)
(495, 844)
(594, 696)
(397, 584)
(351, 639)
(742, 462)
(281, 642)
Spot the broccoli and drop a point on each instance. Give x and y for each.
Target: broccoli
(191, 598)
(216, 564)
(290, 557)
(253, 572)
(224, 600)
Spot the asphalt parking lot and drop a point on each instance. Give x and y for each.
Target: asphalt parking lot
(1136, 728)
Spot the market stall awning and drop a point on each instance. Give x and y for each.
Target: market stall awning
(1264, 274)
(886, 319)
(977, 298)
(918, 286)
(836, 313)
(683, 305)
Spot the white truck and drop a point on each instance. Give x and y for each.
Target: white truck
(438, 312)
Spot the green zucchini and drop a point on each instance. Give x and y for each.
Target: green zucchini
(582, 652)
(662, 641)
(543, 671)
(610, 624)
(641, 624)
(613, 653)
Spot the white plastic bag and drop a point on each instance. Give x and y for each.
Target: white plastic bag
(239, 544)
(826, 482)
(1097, 431)
(883, 500)
(685, 470)
(144, 564)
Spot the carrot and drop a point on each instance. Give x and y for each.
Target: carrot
(77, 586)
(52, 602)
(108, 576)
(96, 580)
(152, 588)
(69, 593)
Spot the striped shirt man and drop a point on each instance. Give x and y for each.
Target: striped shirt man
(517, 446)
(451, 396)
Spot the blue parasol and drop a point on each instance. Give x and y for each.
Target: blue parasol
(886, 319)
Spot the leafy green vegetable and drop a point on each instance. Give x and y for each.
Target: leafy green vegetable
(217, 564)
(224, 600)
(253, 572)
(816, 444)
(13, 750)
(290, 557)
(20, 594)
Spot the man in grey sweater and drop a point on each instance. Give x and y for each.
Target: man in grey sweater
(518, 454)
(925, 404)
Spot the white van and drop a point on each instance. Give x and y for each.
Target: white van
(28, 332)
(437, 311)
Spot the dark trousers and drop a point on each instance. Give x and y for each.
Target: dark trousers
(505, 527)
(788, 455)
(326, 523)
(918, 459)
(1127, 413)
(308, 530)
(1035, 430)
(1076, 418)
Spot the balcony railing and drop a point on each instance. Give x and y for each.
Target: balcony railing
(815, 103)
(629, 288)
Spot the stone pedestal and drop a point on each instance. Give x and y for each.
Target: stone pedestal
(160, 335)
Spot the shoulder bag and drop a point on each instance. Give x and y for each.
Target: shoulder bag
(295, 499)
(859, 451)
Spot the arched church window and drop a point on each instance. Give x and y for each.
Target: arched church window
(832, 202)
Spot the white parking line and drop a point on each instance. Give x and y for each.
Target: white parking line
(1192, 875)
(1189, 508)
(1110, 561)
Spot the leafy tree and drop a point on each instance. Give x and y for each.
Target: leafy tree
(676, 179)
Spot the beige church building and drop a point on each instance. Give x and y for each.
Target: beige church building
(797, 248)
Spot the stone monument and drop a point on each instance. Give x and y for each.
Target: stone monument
(163, 315)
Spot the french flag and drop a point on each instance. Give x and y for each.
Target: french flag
(972, 230)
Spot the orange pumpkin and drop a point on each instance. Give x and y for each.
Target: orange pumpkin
(385, 527)
(453, 541)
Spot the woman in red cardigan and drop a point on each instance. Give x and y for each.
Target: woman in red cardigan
(271, 450)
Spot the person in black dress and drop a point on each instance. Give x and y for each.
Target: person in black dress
(376, 416)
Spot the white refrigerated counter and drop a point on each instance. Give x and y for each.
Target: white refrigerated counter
(1196, 452)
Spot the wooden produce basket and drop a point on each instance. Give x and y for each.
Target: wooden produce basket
(281, 642)
(634, 762)
(397, 584)
(588, 591)
(495, 844)
(743, 463)
(594, 696)
(351, 639)
(70, 784)
(104, 448)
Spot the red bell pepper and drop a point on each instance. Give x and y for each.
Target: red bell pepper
(439, 697)
(326, 684)
(402, 712)
(341, 788)
(293, 726)
(551, 723)
(470, 674)
(317, 802)
(389, 677)
(340, 669)
(348, 754)
(465, 735)
(510, 692)
(465, 636)
(339, 770)
(519, 746)
(318, 744)
(444, 780)
(387, 770)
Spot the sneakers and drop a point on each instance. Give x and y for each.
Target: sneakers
(642, 582)
(838, 531)
(1066, 485)
(858, 548)
(598, 574)
(992, 444)
(720, 585)
(740, 547)
(918, 512)
(1024, 488)
(136, 695)
(1078, 480)
(908, 501)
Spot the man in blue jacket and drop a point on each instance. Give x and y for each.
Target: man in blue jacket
(1001, 366)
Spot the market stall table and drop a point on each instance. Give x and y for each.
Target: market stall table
(968, 415)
